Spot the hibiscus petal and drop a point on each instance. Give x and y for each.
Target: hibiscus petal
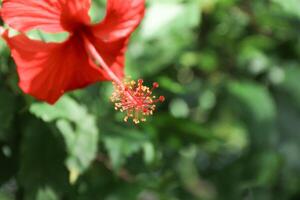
(47, 15)
(47, 70)
(122, 17)
(113, 53)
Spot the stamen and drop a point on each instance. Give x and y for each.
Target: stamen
(142, 103)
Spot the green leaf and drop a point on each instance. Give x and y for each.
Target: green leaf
(78, 129)
(8, 160)
(149, 152)
(292, 7)
(162, 30)
(123, 145)
(5, 197)
(234, 136)
(65, 108)
(255, 98)
(81, 145)
(257, 109)
(290, 85)
(269, 166)
(41, 159)
(179, 108)
(164, 17)
(188, 174)
(46, 194)
(7, 105)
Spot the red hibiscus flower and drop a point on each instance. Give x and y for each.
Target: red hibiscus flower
(91, 53)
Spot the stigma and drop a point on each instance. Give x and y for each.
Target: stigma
(135, 100)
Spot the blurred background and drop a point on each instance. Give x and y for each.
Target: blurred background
(229, 128)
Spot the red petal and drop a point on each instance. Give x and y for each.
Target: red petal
(122, 17)
(47, 70)
(47, 15)
(113, 53)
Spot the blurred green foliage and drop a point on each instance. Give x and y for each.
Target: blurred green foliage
(230, 72)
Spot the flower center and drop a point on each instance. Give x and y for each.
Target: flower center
(143, 104)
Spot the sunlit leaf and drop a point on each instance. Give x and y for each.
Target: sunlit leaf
(81, 140)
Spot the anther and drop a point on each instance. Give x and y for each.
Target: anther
(135, 99)
(162, 98)
(155, 85)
